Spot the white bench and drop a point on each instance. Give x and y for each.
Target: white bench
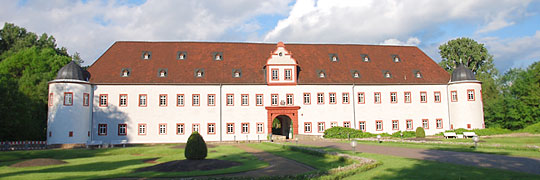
(449, 134)
(94, 143)
(469, 134)
(116, 142)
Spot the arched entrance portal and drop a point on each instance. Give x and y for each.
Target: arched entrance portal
(282, 125)
(287, 116)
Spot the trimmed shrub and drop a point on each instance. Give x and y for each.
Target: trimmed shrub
(533, 129)
(406, 134)
(420, 133)
(480, 132)
(344, 132)
(196, 147)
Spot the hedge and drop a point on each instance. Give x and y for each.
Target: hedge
(344, 132)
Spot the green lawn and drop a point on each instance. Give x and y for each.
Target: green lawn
(116, 162)
(512, 146)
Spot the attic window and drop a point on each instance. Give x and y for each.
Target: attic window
(365, 57)
(146, 55)
(280, 54)
(162, 72)
(387, 74)
(181, 55)
(355, 74)
(322, 74)
(417, 74)
(125, 72)
(333, 57)
(199, 73)
(218, 56)
(237, 73)
(396, 58)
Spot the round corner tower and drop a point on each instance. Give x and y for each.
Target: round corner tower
(70, 101)
(465, 104)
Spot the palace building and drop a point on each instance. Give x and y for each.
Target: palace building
(160, 92)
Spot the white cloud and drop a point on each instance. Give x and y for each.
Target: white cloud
(91, 27)
(515, 53)
(412, 41)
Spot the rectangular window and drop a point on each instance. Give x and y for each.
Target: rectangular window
(377, 97)
(274, 99)
(211, 100)
(407, 97)
(162, 129)
(333, 124)
(162, 100)
(345, 98)
(395, 125)
(288, 74)
(378, 125)
(320, 98)
(245, 128)
(307, 98)
(439, 123)
(290, 99)
(122, 129)
(307, 127)
(409, 124)
(142, 129)
(320, 126)
(68, 99)
(180, 100)
(142, 100)
(123, 100)
(332, 98)
(437, 96)
(423, 97)
(102, 129)
(51, 96)
(230, 128)
(259, 99)
(425, 123)
(103, 100)
(211, 128)
(468, 126)
(195, 100)
(230, 99)
(393, 97)
(245, 100)
(70, 134)
(179, 128)
(347, 124)
(362, 125)
(86, 99)
(195, 128)
(260, 128)
(470, 94)
(361, 99)
(275, 75)
(454, 96)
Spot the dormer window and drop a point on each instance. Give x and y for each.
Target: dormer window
(162, 72)
(417, 74)
(387, 74)
(237, 73)
(280, 54)
(199, 73)
(322, 74)
(396, 58)
(333, 57)
(355, 74)
(125, 72)
(181, 55)
(218, 56)
(146, 55)
(365, 57)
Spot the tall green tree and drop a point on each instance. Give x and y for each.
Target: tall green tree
(27, 63)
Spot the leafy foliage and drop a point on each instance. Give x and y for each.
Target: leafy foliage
(27, 64)
(344, 132)
(406, 134)
(196, 147)
(420, 133)
(481, 132)
(533, 129)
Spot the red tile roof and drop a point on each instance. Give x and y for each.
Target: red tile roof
(251, 59)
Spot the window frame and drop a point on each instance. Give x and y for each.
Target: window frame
(257, 99)
(361, 98)
(407, 124)
(262, 128)
(308, 102)
(272, 99)
(120, 100)
(198, 125)
(106, 100)
(159, 128)
(51, 98)
(330, 98)
(285, 74)
(291, 98)
(166, 100)
(397, 124)
(437, 123)
(333, 124)
(198, 100)
(69, 103)
(376, 124)
(227, 126)
(272, 74)
(232, 100)
(395, 100)
(347, 122)
(242, 128)
(306, 127)
(405, 97)
(452, 95)
(125, 130)
(213, 129)
(183, 127)
(473, 95)
(319, 127)
(360, 126)
(426, 125)
(86, 99)
(99, 129)
(213, 100)
(183, 98)
(435, 97)
(242, 99)
(347, 100)
(322, 96)
(145, 129)
(375, 98)
(425, 97)
(145, 100)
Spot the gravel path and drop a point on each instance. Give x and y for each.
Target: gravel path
(520, 164)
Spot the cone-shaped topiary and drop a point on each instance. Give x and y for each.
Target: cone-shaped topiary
(420, 133)
(195, 147)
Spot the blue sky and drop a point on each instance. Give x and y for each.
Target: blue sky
(510, 29)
